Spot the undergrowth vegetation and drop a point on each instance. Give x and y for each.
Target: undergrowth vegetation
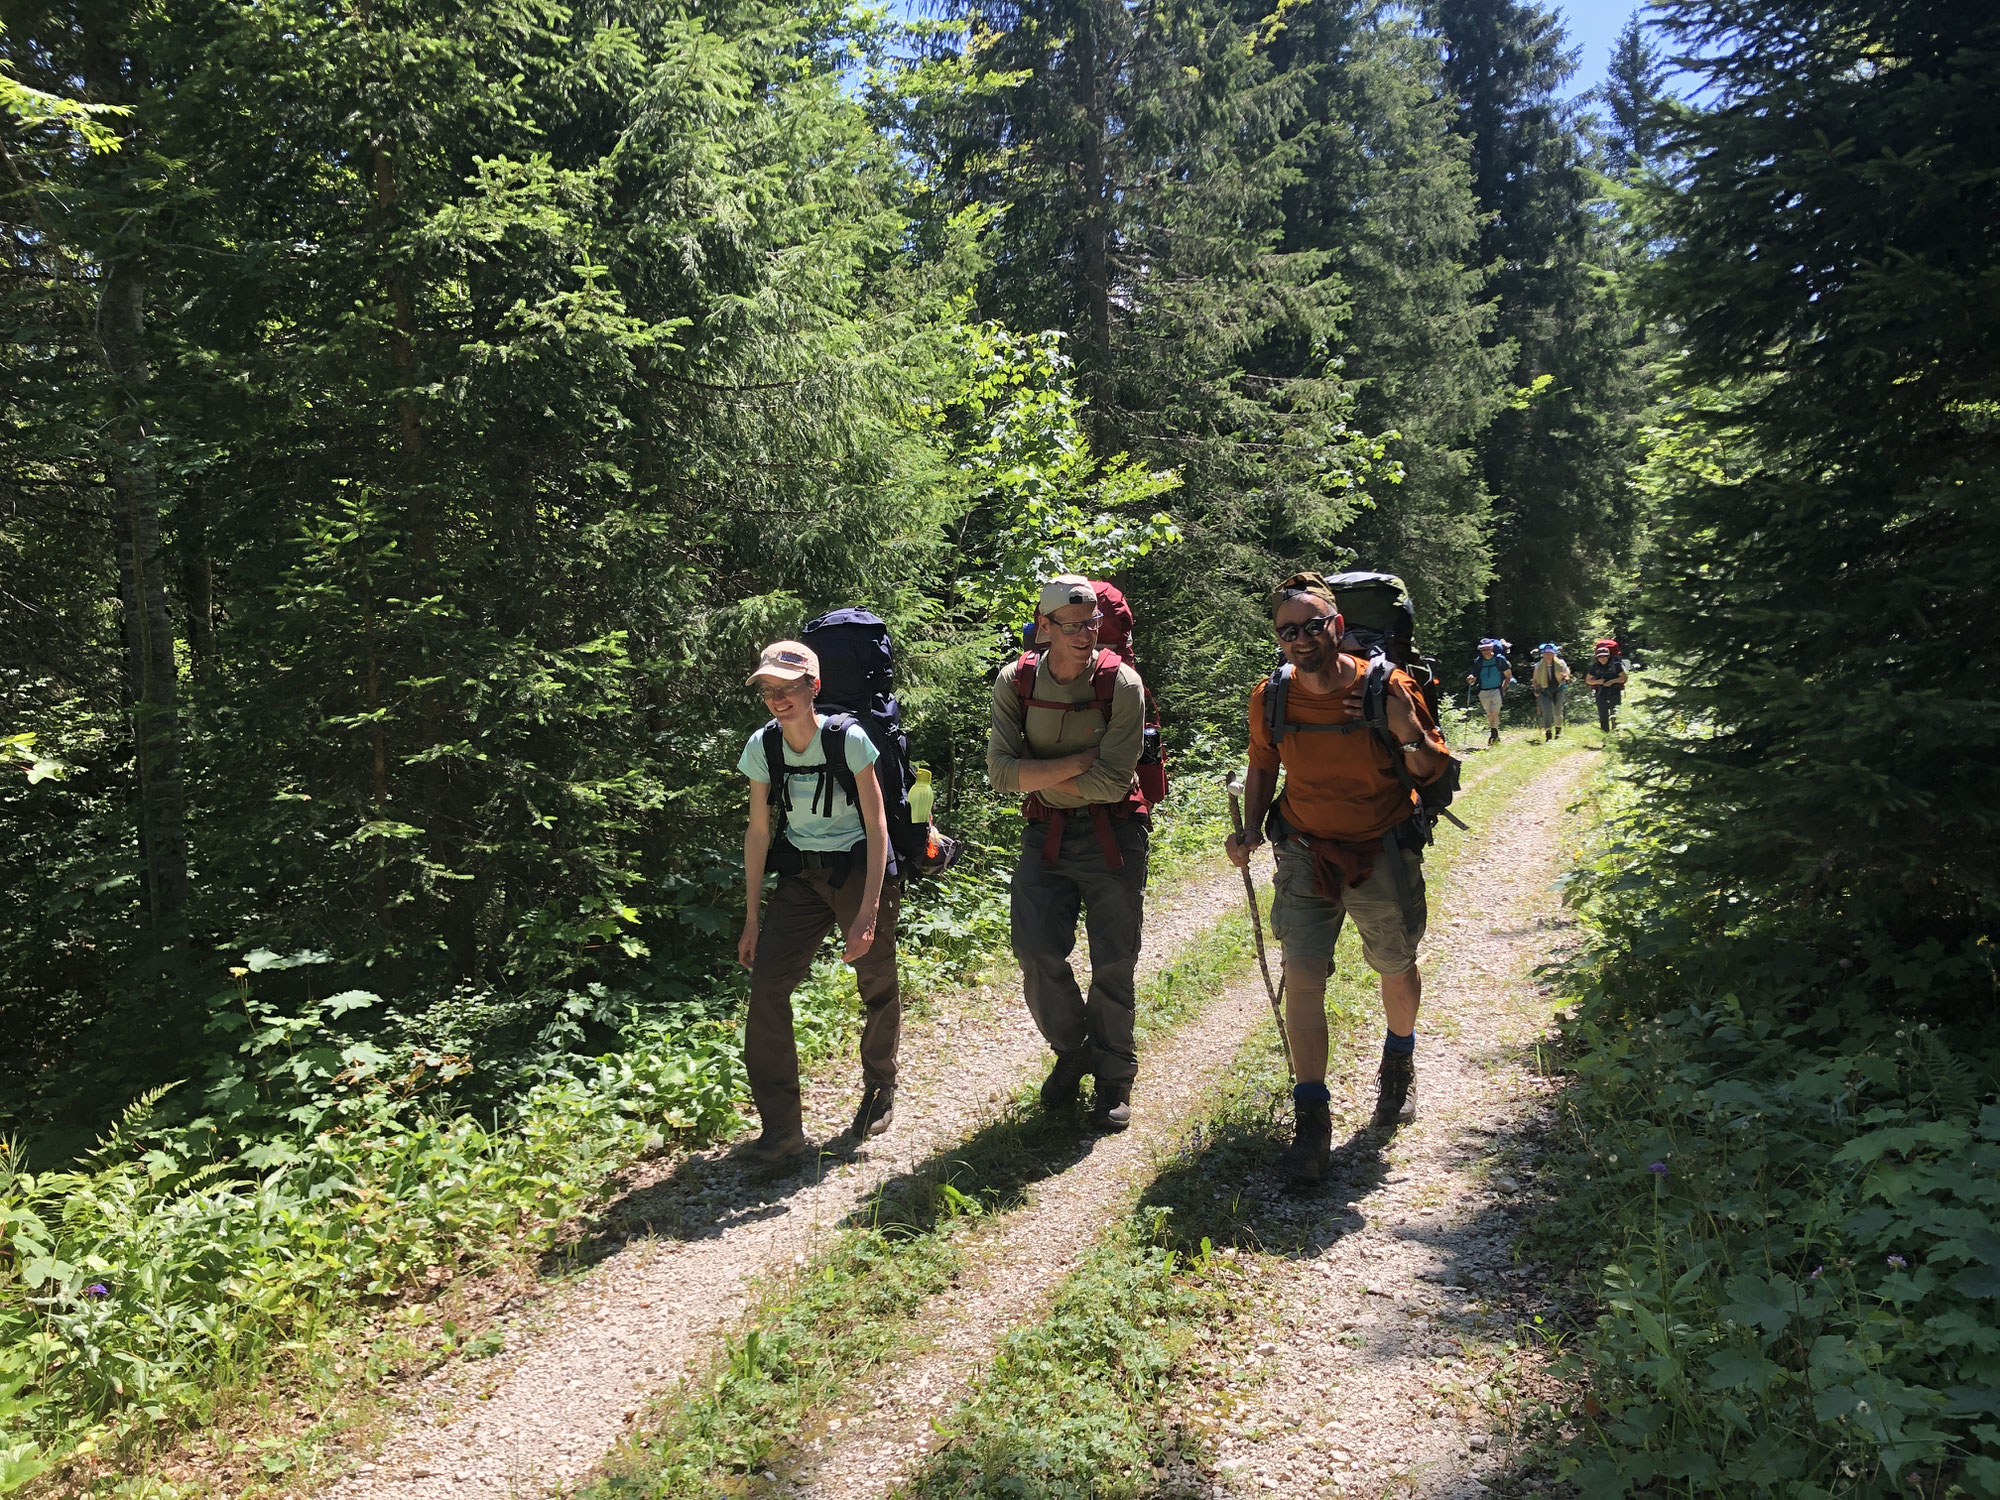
(1785, 1179)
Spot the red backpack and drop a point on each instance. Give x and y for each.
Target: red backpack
(1114, 644)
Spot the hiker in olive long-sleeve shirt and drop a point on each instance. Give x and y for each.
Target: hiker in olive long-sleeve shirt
(1068, 728)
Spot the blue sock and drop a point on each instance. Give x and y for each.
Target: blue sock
(1403, 1045)
(1311, 1093)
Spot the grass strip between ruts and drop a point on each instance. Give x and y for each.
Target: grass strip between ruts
(819, 1332)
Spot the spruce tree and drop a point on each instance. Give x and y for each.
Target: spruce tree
(1383, 190)
(498, 403)
(1555, 458)
(1634, 93)
(1826, 556)
(1136, 157)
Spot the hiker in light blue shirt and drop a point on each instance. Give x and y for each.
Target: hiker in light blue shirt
(821, 826)
(1491, 672)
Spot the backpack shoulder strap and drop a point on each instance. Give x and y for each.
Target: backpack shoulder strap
(1104, 682)
(1024, 676)
(1375, 714)
(833, 745)
(775, 793)
(1276, 688)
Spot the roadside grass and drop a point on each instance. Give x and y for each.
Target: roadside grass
(173, 1324)
(1093, 1401)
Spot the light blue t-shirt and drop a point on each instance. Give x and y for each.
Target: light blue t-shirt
(805, 828)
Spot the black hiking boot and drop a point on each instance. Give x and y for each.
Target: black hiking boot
(1059, 1089)
(1396, 1103)
(877, 1112)
(1304, 1162)
(1559, 731)
(1492, 737)
(1547, 735)
(1111, 1108)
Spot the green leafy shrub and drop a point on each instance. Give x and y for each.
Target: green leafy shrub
(1785, 1175)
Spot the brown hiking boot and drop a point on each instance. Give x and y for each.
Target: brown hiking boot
(1396, 1103)
(877, 1112)
(1492, 737)
(1059, 1089)
(778, 1144)
(1304, 1162)
(1559, 731)
(1111, 1108)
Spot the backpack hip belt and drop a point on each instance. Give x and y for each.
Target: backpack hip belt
(787, 858)
(1035, 810)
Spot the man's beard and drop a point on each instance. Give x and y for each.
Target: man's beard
(1315, 660)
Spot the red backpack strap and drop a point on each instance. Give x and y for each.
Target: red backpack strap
(1104, 682)
(1024, 677)
(1103, 685)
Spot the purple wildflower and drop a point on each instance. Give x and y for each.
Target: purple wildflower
(97, 1289)
(1657, 1168)
(1899, 1263)
(1815, 1273)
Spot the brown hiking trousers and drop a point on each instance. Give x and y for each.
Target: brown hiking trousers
(798, 914)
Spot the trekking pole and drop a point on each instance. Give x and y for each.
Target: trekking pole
(1275, 991)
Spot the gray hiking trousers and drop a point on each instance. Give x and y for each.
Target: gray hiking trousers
(1044, 907)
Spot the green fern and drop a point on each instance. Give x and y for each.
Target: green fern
(1954, 1083)
(124, 1135)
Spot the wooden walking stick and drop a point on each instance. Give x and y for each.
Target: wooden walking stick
(1276, 991)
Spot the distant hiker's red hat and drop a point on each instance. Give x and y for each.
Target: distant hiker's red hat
(1606, 645)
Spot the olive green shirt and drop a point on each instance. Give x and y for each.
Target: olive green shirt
(1050, 733)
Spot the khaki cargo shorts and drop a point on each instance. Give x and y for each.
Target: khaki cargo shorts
(1308, 925)
(1490, 699)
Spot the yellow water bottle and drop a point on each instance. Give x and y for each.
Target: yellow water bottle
(923, 796)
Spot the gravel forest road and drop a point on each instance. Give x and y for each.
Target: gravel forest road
(545, 1414)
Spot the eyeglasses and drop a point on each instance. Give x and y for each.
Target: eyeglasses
(1075, 627)
(1311, 629)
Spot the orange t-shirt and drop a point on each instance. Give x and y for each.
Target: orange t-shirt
(1337, 786)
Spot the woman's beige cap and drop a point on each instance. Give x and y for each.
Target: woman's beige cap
(787, 661)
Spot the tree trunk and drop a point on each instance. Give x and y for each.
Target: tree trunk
(151, 670)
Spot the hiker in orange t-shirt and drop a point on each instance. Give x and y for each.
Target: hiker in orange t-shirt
(1346, 845)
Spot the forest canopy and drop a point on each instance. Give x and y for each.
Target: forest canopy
(418, 414)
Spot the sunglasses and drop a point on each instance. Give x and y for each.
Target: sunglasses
(1311, 629)
(1076, 627)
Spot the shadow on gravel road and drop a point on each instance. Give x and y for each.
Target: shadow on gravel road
(1221, 1186)
(993, 1168)
(706, 1195)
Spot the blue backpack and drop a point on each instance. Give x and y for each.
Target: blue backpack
(857, 683)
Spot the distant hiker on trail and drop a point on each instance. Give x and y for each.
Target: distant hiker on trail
(1491, 672)
(1605, 677)
(828, 807)
(1550, 678)
(1068, 729)
(1346, 834)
